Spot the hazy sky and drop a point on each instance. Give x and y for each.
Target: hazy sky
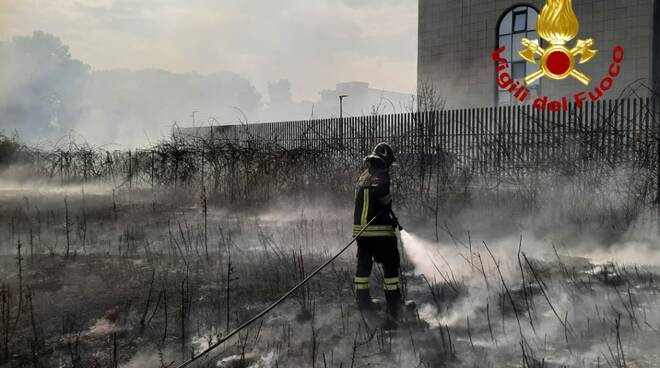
(313, 43)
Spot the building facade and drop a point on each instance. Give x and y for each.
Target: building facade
(457, 38)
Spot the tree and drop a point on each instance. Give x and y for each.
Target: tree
(40, 85)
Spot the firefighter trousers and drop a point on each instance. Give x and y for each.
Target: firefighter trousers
(382, 250)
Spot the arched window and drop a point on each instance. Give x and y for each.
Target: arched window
(518, 23)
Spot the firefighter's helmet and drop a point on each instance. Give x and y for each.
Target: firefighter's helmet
(384, 153)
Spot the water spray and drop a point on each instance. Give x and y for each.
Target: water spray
(419, 252)
(416, 249)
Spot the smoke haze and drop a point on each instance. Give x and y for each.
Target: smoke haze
(120, 71)
(46, 93)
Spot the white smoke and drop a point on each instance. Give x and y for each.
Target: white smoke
(422, 254)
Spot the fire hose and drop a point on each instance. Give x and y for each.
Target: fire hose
(282, 298)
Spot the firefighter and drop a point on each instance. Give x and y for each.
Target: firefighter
(378, 242)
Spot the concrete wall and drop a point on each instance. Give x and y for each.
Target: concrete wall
(456, 39)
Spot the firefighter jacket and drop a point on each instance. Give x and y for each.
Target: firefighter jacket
(372, 198)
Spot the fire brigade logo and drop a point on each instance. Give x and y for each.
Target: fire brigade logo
(558, 24)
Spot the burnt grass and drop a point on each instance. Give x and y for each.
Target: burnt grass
(144, 280)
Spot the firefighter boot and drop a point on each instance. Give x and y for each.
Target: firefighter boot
(364, 302)
(393, 298)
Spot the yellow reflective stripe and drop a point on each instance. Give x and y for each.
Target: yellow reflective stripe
(375, 234)
(365, 208)
(374, 227)
(361, 283)
(391, 280)
(391, 283)
(389, 232)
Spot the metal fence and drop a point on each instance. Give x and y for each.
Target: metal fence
(501, 142)
(486, 140)
(508, 149)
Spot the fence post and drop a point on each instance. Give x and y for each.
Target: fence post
(152, 170)
(655, 112)
(62, 167)
(130, 169)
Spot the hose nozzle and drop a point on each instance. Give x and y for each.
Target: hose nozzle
(397, 225)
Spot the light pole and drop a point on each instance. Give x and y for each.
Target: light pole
(341, 105)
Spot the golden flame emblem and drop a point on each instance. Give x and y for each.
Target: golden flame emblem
(558, 24)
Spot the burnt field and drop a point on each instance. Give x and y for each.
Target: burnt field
(96, 277)
(145, 258)
(179, 187)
